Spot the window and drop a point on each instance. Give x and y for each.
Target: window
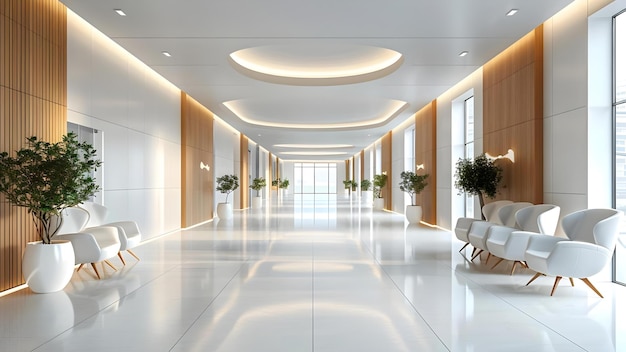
(315, 178)
(619, 130)
(468, 113)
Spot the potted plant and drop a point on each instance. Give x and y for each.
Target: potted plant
(366, 194)
(380, 181)
(257, 184)
(226, 184)
(283, 185)
(353, 185)
(413, 184)
(480, 177)
(45, 178)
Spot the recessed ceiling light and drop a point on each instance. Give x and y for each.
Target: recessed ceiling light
(166, 54)
(313, 146)
(511, 12)
(463, 53)
(120, 12)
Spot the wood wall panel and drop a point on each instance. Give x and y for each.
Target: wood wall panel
(362, 171)
(513, 116)
(33, 101)
(426, 153)
(197, 147)
(386, 159)
(244, 172)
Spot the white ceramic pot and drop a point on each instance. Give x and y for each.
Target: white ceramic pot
(224, 210)
(367, 197)
(413, 213)
(48, 267)
(379, 203)
(257, 202)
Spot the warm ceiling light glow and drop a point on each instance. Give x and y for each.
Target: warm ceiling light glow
(313, 153)
(511, 12)
(395, 107)
(120, 12)
(165, 53)
(463, 53)
(313, 146)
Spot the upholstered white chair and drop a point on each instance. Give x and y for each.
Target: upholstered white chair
(129, 233)
(478, 233)
(91, 245)
(588, 248)
(490, 212)
(507, 243)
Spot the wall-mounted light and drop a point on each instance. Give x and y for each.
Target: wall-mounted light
(509, 155)
(384, 172)
(204, 166)
(419, 167)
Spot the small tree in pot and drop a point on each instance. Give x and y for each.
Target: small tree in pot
(258, 184)
(413, 184)
(480, 177)
(366, 185)
(380, 181)
(226, 184)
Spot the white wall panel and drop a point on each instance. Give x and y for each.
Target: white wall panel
(569, 145)
(138, 114)
(226, 149)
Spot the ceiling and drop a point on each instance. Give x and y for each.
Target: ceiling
(323, 73)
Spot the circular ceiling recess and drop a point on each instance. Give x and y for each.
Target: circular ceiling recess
(316, 64)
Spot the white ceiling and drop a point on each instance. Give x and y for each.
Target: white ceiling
(201, 35)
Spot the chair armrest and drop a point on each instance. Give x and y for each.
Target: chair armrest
(104, 235)
(130, 228)
(520, 239)
(500, 233)
(543, 243)
(577, 259)
(85, 246)
(462, 227)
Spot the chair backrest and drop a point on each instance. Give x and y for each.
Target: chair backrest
(599, 226)
(490, 210)
(540, 218)
(507, 213)
(74, 220)
(97, 213)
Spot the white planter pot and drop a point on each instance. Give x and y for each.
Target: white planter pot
(48, 267)
(379, 203)
(367, 197)
(225, 210)
(257, 202)
(413, 213)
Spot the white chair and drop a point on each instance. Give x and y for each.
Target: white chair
(478, 233)
(490, 212)
(91, 245)
(129, 233)
(591, 237)
(507, 243)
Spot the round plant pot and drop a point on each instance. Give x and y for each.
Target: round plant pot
(48, 267)
(379, 203)
(413, 213)
(224, 210)
(257, 202)
(367, 197)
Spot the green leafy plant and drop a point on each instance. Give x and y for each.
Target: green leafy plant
(366, 185)
(258, 184)
(283, 184)
(227, 184)
(347, 184)
(412, 183)
(276, 182)
(479, 176)
(46, 178)
(380, 181)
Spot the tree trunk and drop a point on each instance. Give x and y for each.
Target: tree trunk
(481, 199)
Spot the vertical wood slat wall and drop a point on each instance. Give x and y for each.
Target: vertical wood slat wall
(244, 172)
(513, 116)
(386, 160)
(197, 147)
(426, 153)
(33, 101)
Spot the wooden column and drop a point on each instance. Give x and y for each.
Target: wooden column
(244, 172)
(386, 167)
(426, 154)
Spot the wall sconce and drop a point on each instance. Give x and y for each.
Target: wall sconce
(419, 166)
(509, 155)
(384, 172)
(204, 166)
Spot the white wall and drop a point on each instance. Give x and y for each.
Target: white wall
(138, 114)
(226, 161)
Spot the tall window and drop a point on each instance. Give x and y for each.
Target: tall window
(468, 112)
(409, 156)
(619, 110)
(315, 178)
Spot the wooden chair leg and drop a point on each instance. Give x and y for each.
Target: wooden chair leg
(571, 281)
(591, 286)
(498, 262)
(135, 255)
(109, 264)
(514, 265)
(474, 251)
(534, 277)
(119, 254)
(488, 257)
(460, 250)
(476, 255)
(80, 267)
(556, 283)
(93, 265)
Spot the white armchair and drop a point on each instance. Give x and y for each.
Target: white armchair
(128, 231)
(479, 231)
(591, 237)
(507, 243)
(91, 245)
(490, 212)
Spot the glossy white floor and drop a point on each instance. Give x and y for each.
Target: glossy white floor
(305, 275)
